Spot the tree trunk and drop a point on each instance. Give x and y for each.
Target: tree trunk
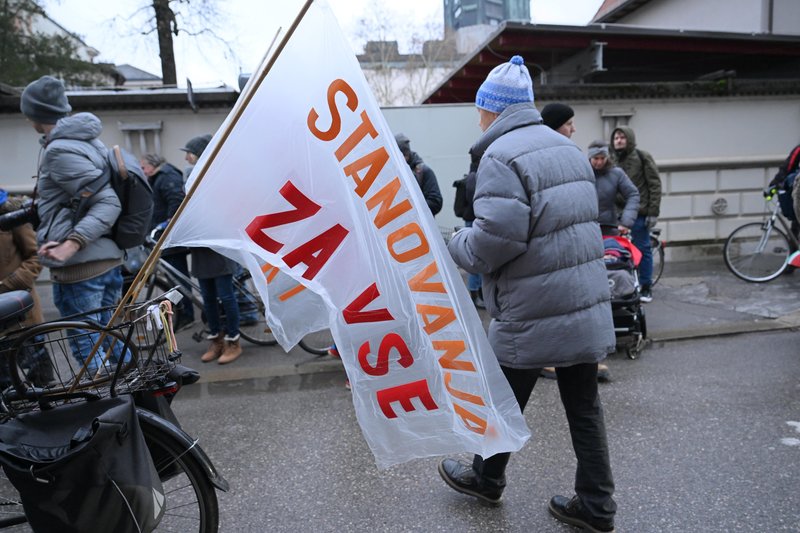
(165, 22)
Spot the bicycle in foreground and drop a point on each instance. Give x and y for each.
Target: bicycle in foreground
(54, 372)
(761, 251)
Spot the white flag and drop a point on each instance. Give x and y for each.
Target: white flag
(308, 181)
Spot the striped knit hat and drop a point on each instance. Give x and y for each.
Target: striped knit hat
(507, 84)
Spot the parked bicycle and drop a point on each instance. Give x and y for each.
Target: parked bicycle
(657, 246)
(253, 326)
(760, 251)
(146, 370)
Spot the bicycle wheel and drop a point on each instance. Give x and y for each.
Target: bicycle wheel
(12, 516)
(191, 501)
(317, 342)
(757, 252)
(658, 259)
(253, 325)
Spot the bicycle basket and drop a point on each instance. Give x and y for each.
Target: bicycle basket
(78, 359)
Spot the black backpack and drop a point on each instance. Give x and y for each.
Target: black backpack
(135, 195)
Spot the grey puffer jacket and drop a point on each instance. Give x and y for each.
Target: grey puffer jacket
(74, 157)
(612, 181)
(537, 243)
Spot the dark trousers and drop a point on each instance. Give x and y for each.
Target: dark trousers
(577, 386)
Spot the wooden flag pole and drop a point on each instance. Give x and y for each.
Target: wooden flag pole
(237, 114)
(245, 98)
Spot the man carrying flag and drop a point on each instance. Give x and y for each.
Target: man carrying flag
(337, 234)
(536, 240)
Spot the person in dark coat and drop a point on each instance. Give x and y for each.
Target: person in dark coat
(423, 174)
(168, 193)
(537, 243)
(215, 273)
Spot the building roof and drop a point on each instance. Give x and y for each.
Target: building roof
(615, 10)
(134, 74)
(136, 99)
(632, 56)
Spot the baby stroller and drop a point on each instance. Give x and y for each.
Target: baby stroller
(622, 258)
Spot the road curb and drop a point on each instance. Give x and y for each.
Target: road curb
(783, 323)
(233, 373)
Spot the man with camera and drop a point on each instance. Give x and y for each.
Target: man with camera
(74, 244)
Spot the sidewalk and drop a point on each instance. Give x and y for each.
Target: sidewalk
(693, 299)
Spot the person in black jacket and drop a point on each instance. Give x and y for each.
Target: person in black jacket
(423, 173)
(167, 184)
(466, 212)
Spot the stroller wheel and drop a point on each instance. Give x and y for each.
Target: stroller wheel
(632, 351)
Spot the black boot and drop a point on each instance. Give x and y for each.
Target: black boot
(462, 477)
(572, 512)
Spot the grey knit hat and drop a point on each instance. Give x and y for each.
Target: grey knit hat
(507, 84)
(196, 145)
(45, 101)
(597, 148)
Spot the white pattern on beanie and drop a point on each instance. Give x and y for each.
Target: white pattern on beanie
(507, 84)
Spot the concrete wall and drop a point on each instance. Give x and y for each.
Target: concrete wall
(19, 143)
(708, 150)
(747, 16)
(722, 150)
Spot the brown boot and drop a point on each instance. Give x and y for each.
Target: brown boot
(232, 350)
(215, 349)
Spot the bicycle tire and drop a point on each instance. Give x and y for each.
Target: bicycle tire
(255, 330)
(658, 259)
(191, 500)
(318, 342)
(12, 516)
(752, 258)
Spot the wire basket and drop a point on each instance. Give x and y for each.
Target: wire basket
(79, 359)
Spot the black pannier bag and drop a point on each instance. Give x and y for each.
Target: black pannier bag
(83, 468)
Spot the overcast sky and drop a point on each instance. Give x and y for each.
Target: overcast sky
(250, 25)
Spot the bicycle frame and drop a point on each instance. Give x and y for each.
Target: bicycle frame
(769, 223)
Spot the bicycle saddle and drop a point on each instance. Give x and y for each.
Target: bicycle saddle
(13, 307)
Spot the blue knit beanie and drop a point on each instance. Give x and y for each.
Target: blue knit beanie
(505, 85)
(45, 101)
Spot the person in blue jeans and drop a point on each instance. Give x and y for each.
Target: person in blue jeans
(86, 298)
(84, 261)
(643, 172)
(215, 274)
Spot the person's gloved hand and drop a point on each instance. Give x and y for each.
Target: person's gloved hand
(651, 222)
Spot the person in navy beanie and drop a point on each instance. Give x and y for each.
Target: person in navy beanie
(559, 117)
(536, 241)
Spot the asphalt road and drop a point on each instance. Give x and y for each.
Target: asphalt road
(704, 436)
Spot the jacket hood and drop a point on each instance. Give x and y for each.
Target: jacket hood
(414, 160)
(513, 117)
(81, 126)
(628, 132)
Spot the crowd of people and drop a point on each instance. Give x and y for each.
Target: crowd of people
(536, 208)
(84, 261)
